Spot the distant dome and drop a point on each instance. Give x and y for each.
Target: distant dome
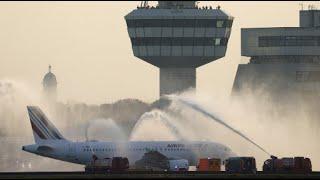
(49, 79)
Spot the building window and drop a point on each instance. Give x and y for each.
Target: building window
(308, 76)
(220, 23)
(217, 41)
(302, 76)
(291, 41)
(278, 41)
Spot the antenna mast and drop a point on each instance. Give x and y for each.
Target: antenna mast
(144, 4)
(301, 5)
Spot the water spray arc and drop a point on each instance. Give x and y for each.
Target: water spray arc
(116, 133)
(87, 139)
(163, 119)
(196, 107)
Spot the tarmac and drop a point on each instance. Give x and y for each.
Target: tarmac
(156, 175)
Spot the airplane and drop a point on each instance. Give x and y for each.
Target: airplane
(50, 143)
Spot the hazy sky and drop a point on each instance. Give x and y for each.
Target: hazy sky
(89, 48)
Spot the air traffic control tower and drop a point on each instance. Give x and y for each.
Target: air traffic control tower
(178, 37)
(283, 60)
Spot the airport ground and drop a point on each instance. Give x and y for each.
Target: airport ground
(156, 175)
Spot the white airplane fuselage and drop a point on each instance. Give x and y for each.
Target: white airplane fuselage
(82, 152)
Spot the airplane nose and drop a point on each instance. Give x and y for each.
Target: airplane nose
(23, 148)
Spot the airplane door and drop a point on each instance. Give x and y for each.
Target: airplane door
(71, 151)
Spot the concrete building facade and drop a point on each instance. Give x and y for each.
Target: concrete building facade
(178, 37)
(283, 60)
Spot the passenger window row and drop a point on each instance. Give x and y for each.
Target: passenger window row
(216, 23)
(138, 149)
(95, 150)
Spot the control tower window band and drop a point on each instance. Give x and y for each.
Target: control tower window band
(155, 41)
(216, 23)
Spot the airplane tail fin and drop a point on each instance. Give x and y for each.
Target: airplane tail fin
(42, 128)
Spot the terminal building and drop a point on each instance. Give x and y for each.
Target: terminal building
(283, 60)
(178, 37)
